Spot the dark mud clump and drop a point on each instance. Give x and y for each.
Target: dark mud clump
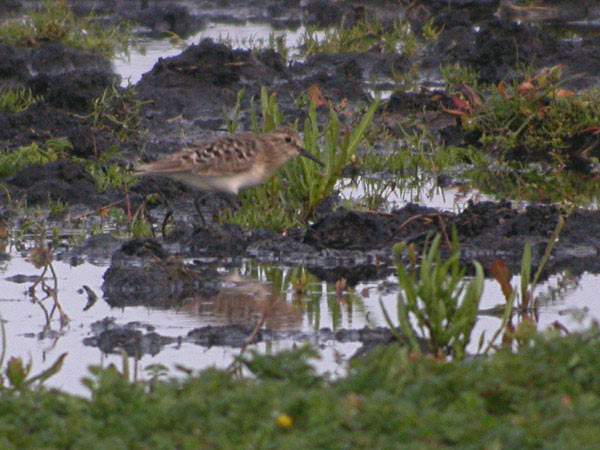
(18, 65)
(61, 180)
(112, 338)
(223, 241)
(353, 230)
(168, 19)
(201, 79)
(41, 122)
(75, 91)
(143, 273)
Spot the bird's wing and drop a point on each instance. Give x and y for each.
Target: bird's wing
(227, 155)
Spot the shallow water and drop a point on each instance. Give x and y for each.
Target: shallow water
(256, 288)
(395, 193)
(143, 58)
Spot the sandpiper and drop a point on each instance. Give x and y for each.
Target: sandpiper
(230, 163)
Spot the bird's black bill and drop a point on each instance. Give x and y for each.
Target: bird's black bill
(311, 157)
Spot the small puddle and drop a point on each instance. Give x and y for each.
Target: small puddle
(251, 35)
(394, 193)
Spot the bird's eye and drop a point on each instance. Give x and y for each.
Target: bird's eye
(288, 139)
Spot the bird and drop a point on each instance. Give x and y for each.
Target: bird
(230, 163)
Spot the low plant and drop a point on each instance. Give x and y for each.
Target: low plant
(19, 377)
(431, 34)
(118, 112)
(335, 149)
(233, 123)
(535, 119)
(110, 177)
(54, 21)
(291, 196)
(438, 300)
(365, 35)
(523, 300)
(271, 116)
(13, 161)
(455, 75)
(16, 100)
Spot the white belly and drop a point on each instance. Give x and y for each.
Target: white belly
(225, 183)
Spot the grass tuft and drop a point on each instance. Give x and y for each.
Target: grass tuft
(54, 21)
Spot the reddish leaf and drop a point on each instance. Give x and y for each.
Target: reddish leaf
(454, 112)
(472, 96)
(502, 91)
(526, 88)
(461, 105)
(315, 95)
(559, 94)
(593, 130)
(502, 275)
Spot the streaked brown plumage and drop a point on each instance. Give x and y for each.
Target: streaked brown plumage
(230, 163)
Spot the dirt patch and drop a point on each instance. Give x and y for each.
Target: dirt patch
(19, 64)
(59, 180)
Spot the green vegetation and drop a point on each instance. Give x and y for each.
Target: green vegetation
(533, 119)
(55, 21)
(456, 75)
(276, 42)
(439, 299)
(291, 196)
(364, 36)
(16, 100)
(117, 112)
(547, 394)
(51, 150)
(416, 151)
(110, 177)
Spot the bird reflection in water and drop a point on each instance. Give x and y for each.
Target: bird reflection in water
(245, 301)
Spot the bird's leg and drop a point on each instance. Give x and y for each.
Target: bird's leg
(198, 209)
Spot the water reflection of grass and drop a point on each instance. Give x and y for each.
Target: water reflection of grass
(304, 291)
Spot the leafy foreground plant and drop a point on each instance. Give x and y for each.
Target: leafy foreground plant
(547, 395)
(55, 21)
(438, 300)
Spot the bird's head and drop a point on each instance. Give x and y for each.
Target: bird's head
(288, 145)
